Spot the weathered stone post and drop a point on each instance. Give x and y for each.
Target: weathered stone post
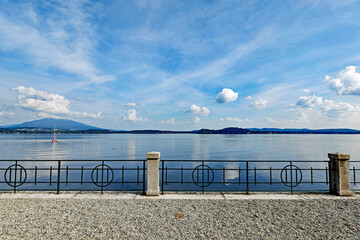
(153, 188)
(339, 174)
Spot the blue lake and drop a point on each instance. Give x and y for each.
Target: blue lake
(178, 146)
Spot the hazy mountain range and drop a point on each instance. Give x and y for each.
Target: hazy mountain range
(50, 123)
(66, 125)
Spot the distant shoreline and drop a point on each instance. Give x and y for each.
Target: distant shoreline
(227, 131)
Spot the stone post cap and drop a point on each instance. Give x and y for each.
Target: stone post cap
(339, 156)
(152, 155)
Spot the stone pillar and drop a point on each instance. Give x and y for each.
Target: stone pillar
(339, 174)
(153, 188)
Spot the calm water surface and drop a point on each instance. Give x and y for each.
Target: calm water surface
(178, 146)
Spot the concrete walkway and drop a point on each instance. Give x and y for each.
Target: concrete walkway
(171, 196)
(84, 215)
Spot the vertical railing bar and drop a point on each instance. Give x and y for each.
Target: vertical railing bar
(247, 177)
(122, 175)
(107, 174)
(10, 174)
(270, 176)
(162, 176)
(102, 177)
(15, 176)
(291, 177)
(239, 175)
(137, 175)
(20, 178)
(97, 175)
(208, 175)
(50, 175)
(197, 175)
(203, 172)
(224, 175)
(354, 175)
(35, 174)
(182, 175)
(67, 174)
(311, 174)
(58, 179)
(286, 175)
(143, 178)
(255, 174)
(82, 174)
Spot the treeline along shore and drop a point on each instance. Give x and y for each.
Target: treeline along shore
(230, 130)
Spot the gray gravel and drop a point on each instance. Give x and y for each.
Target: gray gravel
(179, 219)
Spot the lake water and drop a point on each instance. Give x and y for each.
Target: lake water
(178, 146)
(222, 175)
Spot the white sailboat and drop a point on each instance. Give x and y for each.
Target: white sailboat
(54, 139)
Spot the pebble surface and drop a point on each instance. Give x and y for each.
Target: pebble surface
(179, 219)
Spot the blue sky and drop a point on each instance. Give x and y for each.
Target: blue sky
(181, 65)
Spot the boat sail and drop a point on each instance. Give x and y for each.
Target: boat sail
(54, 139)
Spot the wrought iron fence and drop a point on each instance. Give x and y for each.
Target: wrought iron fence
(73, 175)
(248, 176)
(175, 175)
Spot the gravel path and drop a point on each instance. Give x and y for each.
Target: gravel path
(179, 219)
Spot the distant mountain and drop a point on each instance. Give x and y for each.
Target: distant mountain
(49, 123)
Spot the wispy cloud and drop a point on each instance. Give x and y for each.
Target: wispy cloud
(63, 40)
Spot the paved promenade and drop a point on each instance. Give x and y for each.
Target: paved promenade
(178, 216)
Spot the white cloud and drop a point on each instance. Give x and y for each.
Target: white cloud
(3, 113)
(226, 95)
(334, 110)
(45, 103)
(170, 121)
(239, 120)
(130, 105)
(309, 101)
(196, 119)
(347, 82)
(270, 120)
(248, 98)
(197, 110)
(131, 116)
(303, 117)
(259, 104)
(326, 106)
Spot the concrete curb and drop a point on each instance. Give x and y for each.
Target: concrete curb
(172, 196)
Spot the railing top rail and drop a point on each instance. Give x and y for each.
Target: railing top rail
(73, 160)
(244, 161)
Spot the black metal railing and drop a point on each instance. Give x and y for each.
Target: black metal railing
(175, 175)
(248, 176)
(73, 175)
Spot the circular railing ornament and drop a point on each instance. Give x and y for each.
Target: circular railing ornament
(291, 176)
(102, 175)
(203, 175)
(15, 175)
